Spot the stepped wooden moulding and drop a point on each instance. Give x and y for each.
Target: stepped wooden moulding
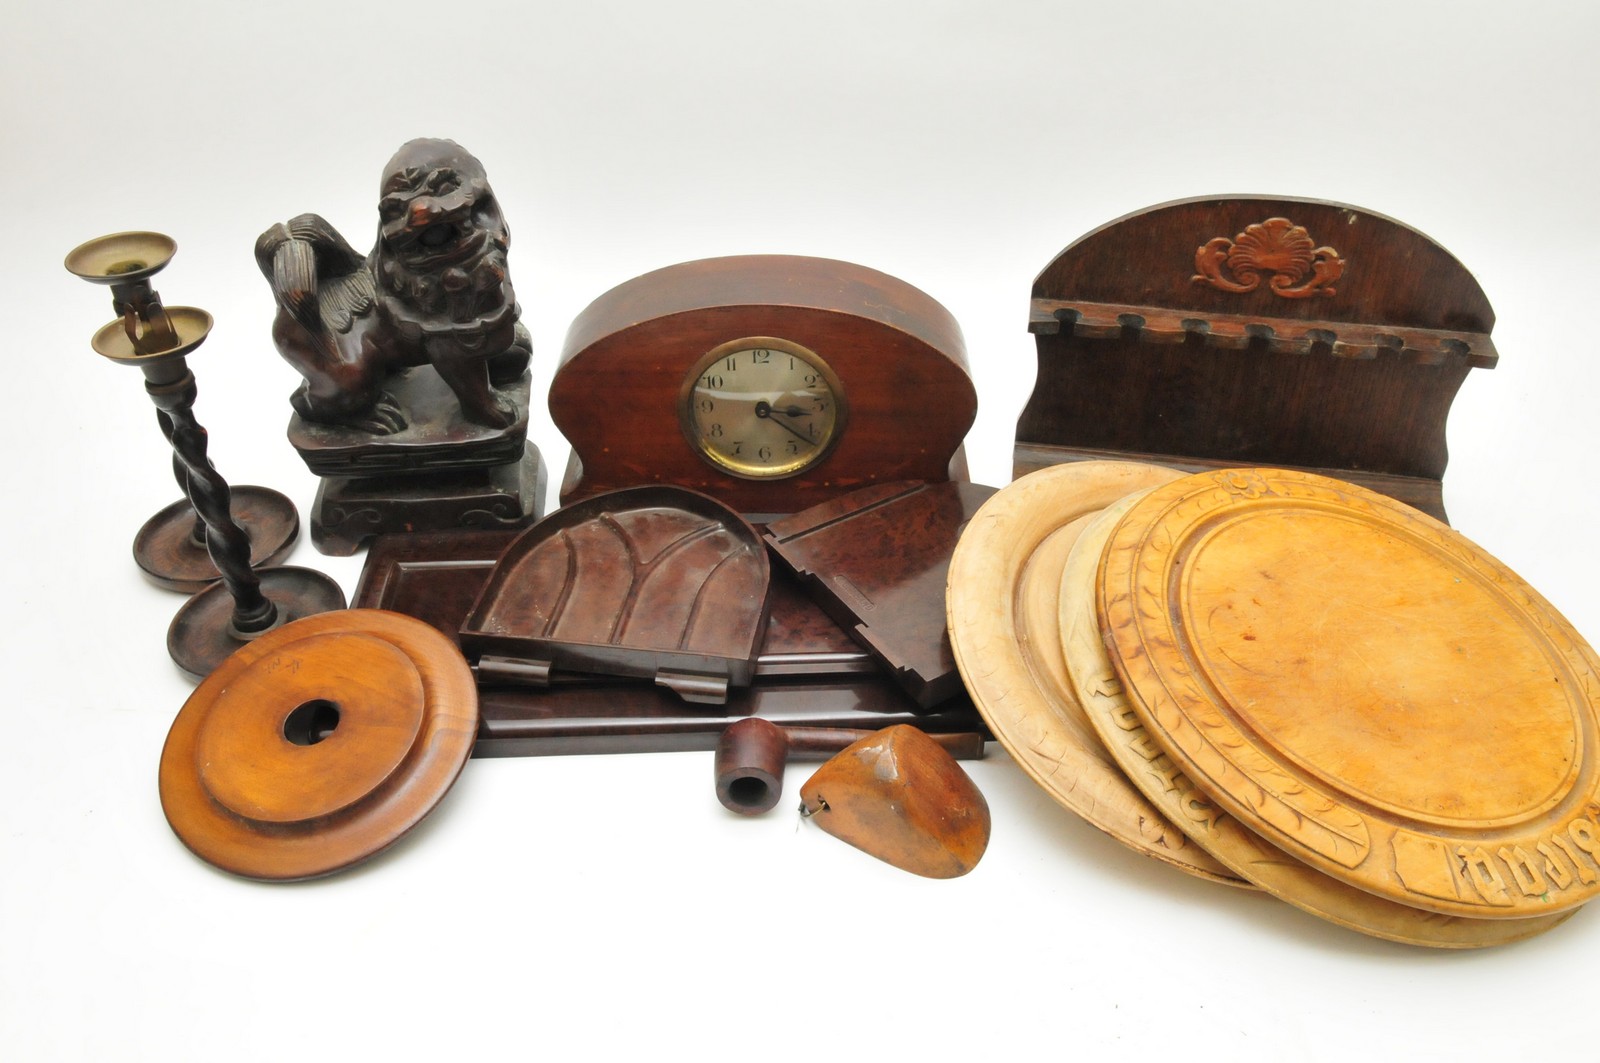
(770, 382)
(1229, 331)
(1094, 683)
(319, 744)
(1363, 687)
(1003, 581)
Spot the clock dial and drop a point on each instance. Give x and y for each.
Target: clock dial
(761, 407)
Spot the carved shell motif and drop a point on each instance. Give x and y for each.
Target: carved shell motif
(1276, 248)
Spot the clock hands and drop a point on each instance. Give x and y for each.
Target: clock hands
(766, 410)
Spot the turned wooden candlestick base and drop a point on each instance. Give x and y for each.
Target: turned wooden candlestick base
(171, 556)
(202, 635)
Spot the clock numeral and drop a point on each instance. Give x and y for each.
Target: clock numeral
(764, 453)
(712, 381)
(760, 357)
(705, 406)
(732, 363)
(793, 448)
(716, 431)
(738, 446)
(813, 379)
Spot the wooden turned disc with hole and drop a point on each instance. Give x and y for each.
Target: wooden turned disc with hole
(1363, 687)
(1000, 599)
(1170, 791)
(319, 744)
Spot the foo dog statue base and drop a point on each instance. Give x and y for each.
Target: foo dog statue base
(349, 510)
(436, 435)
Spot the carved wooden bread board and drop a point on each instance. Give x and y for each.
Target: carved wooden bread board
(1363, 687)
(1003, 634)
(1101, 694)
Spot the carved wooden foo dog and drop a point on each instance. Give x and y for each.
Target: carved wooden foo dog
(415, 402)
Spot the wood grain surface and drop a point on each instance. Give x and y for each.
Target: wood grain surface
(1014, 670)
(898, 795)
(877, 560)
(318, 745)
(639, 582)
(1101, 694)
(1362, 686)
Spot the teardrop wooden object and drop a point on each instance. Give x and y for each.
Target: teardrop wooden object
(898, 796)
(1000, 601)
(1363, 687)
(752, 752)
(319, 744)
(1100, 693)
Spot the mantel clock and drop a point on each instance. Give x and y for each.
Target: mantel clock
(771, 382)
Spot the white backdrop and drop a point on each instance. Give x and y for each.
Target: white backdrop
(596, 907)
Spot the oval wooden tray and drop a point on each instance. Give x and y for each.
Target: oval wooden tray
(1101, 694)
(319, 744)
(1003, 633)
(1363, 687)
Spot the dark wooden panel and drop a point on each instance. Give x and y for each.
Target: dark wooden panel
(1256, 331)
(876, 561)
(650, 581)
(1393, 275)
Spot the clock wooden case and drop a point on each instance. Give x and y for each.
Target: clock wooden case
(770, 382)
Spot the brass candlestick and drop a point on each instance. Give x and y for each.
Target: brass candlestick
(157, 339)
(170, 549)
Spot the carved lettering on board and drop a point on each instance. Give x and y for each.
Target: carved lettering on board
(1565, 858)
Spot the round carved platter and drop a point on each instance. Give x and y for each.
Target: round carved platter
(1098, 690)
(319, 744)
(1000, 600)
(1363, 687)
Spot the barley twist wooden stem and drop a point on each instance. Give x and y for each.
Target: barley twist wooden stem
(208, 492)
